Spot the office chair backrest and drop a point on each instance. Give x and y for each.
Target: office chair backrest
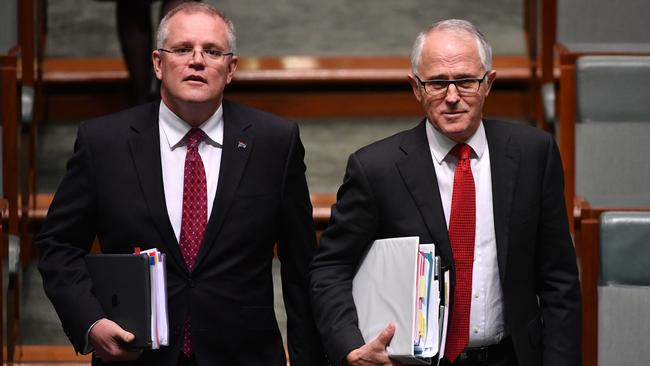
(624, 293)
(613, 88)
(625, 248)
(603, 25)
(613, 130)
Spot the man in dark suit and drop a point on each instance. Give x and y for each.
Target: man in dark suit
(488, 194)
(212, 184)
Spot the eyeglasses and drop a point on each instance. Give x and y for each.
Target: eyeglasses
(187, 52)
(465, 86)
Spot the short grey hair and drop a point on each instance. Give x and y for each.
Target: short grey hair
(458, 26)
(191, 7)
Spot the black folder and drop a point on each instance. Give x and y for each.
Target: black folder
(122, 283)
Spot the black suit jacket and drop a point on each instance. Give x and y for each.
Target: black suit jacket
(390, 190)
(113, 190)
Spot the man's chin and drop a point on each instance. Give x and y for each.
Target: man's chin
(457, 131)
(198, 99)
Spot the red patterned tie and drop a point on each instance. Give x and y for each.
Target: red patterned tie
(195, 213)
(462, 228)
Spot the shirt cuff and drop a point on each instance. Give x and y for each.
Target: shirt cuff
(87, 346)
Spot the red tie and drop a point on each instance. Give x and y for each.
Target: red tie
(462, 228)
(195, 213)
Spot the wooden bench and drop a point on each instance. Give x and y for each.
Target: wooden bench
(295, 87)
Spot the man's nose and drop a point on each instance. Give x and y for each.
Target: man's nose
(198, 57)
(452, 95)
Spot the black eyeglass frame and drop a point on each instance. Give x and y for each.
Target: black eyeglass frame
(448, 82)
(189, 51)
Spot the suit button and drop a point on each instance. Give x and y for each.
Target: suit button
(190, 282)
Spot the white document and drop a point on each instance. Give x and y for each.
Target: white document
(158, 284)
(385, 291)
(432, 335)
(161, 301)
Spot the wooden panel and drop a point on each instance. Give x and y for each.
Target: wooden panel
(9, 114)
(509, 103)
(322, 204)
(587, 240)
(296, 69)
(26, 38)
(33, 354)
(289, 86)
(4, 254)
(566, 132)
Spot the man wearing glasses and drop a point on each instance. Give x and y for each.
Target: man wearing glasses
(214, 185)
(488, 194)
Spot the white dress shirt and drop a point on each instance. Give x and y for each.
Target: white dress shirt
(486, 314)
(173, 147)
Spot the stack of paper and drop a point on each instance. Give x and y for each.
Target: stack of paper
(159, 318)
(402, 281)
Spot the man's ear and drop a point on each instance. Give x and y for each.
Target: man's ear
(415, 85)
(490, 79)
(232, 67)
(157, 63)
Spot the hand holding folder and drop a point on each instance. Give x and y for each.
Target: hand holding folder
(131, 289)
(373, 351)
(112, 343)
(401, 281)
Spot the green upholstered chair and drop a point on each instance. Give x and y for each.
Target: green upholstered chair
(624, 289)
(612, 150)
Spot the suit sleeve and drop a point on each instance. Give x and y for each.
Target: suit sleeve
(353, 225)
(66, 237)
(296, 248)
(558, 281)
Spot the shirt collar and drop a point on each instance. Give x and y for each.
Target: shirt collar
(174, 128)
(440, 145)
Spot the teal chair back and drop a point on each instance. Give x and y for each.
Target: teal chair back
(603, 25)
(624, 289)
(613, 125)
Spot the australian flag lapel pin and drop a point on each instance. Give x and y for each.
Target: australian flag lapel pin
(241, 144)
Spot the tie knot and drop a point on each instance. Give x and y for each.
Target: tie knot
(462, 151)
(194, 137)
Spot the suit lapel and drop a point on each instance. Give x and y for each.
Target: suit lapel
(237, 146)
(504, 165)
(145, 151)
(418, 173)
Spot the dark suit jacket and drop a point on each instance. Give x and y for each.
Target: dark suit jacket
(113, 189)
(390, 190)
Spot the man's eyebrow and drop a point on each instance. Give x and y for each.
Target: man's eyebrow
(189, 44)
(213, 45)
(453, 77)
(180, 44)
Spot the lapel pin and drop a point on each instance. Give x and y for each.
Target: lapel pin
(241, 144)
